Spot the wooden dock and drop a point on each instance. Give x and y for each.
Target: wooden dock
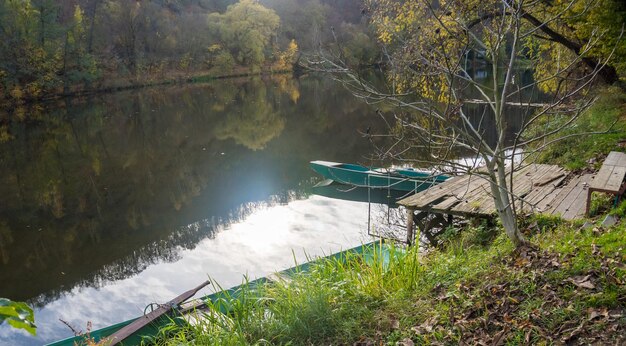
(538, 188)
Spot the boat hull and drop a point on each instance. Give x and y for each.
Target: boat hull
(394, 179)
(150, 331)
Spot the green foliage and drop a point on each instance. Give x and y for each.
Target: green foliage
(38, 53)
(17, 315)
(224, 61)
(255, 123)
(594, 25)
(359, 49)
(246, 30)
(50, 47)
(608, 114)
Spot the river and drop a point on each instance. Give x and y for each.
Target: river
(116, 201)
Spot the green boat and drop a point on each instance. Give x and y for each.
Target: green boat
(150, 329)
(332, 189)
(400, 179)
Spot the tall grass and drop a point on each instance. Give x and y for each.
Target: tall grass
(384, 293)
(335, 300)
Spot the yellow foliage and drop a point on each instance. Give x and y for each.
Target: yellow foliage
(185, 61)
(34, 89)
(53, 198)
(288, 57)
(20, 113)
(214, 48)
(16, 93)
(5, 136)
(96, 165)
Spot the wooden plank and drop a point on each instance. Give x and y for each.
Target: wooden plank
(466, 192)
(545, 204)
(622, 160)
(570, 205)
(486, 202)
(522, 185)
(429, 195)
(551, 177)
(540, 192)
(570, 198)
(475, 204)
(435, 193)
(548, 179)
(549, 206)
(537, 196)
(602, 177)
(458, 186)
(612, 159)
(577, 208)
(616, 179)
(146, 319)
(526, 185)
(446, 204)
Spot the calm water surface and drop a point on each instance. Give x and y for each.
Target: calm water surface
(110, 203)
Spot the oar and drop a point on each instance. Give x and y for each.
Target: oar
(146, 319)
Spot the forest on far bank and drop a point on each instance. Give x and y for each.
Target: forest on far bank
(49, 47)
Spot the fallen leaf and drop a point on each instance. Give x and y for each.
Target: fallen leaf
(365, 342)
(582, 281)
(574, 333)
(500, 337)
(594, 249)
(405, 342)
(395, 324)
(595, 313)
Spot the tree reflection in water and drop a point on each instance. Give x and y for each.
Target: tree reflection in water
(98, 189)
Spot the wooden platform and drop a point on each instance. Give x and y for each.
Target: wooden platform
(538, 188)
(610, 177)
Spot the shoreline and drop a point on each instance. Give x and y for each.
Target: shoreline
(131, 83)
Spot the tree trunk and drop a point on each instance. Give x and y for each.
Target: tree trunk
(608, 73)
(92, 24)
(502, 200)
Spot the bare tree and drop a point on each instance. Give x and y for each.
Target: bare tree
(433, 50)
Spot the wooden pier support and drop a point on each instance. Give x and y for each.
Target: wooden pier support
(410, 234)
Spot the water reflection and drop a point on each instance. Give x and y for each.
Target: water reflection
(102, 196)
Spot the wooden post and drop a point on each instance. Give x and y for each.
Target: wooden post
(409, 226)
(588, 206)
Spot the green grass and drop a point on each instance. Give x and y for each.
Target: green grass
(574, 152)
(441, 296)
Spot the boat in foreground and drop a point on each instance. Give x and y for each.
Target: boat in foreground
(401, 179)
(147, 326)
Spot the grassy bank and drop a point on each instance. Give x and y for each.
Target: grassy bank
(606, 116)
(568, 288)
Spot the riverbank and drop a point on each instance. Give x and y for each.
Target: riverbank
(568, 287)
(114, 82)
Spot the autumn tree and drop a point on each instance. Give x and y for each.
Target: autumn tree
(27, 62)
(78, 65)
(433, 49)
(245, 30)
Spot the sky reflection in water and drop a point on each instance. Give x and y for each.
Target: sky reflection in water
(112, 203)
(263, 243)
